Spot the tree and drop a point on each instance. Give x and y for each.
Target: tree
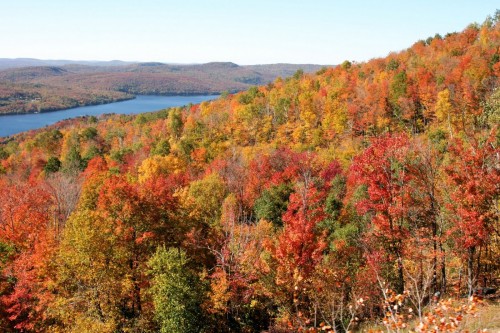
(300, 246)
(49, 141)
(26, 234)
(176, 292)
(175, 122)
(443, 109)
(65, 191)
(162, 148)
(383, 169)
(73, 162)
(90, 267)
(272, 204)
(475, 174)
(53, 165)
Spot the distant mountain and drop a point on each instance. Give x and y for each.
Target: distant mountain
(28, 74)
(72, 83)
(29, 62)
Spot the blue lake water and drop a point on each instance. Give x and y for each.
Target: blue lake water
(12, 124)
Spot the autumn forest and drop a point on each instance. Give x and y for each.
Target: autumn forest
(362, 197)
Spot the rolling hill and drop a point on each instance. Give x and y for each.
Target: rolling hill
(68, 84)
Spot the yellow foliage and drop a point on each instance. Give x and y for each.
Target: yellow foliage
(158, 165)
(443, 106)
(307, 114)
(335, 118)
(91, 325)
(220, 295)
(266, 129)
(204, 199)
(299, 134)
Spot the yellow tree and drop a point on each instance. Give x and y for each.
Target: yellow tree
(443, 110)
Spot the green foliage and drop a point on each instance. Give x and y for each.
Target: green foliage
(245, 99)
(281, 110)
(162, 114)
(322, 70)
(398, 88)
(175, 123)
(186, 146)
(120, 154)
(392, 65)
(334, 201)
(272, 204)
(11, 147)
(298, 74)
(192, 139)
(73, 161)
(6, 250)
(3, 154)
(438, 139)
(92, 152)
(53, 165)
(349, 233)
(249, 96)
(141, 119)
(333, 206)
(49, 140)
(116, 132)
(175, 290)
(346, 65)
(162, 148)
(89, 133)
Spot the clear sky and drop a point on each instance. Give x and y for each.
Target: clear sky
(244, 32)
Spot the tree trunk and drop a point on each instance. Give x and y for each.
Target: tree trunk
(400, 287)
(443, 269)
(470, 270)
(434, 287)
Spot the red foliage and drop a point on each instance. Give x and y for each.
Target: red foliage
(300, 246)
(24, 213)
(382, 169)
(475, 174)
(25, 218)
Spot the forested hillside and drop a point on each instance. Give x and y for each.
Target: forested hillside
(49, 88)
(362, 195)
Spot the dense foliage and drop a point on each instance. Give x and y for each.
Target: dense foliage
(296, 205)
(34, 98)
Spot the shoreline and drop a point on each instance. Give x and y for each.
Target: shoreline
(74, 107)
(22, 122)
(133, 96)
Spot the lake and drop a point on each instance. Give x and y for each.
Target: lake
(12, 124)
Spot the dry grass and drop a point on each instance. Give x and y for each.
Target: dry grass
(486, 318)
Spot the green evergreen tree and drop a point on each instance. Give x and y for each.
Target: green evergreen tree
(53, 165)
(272, 204)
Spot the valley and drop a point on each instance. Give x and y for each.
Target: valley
(47, 88)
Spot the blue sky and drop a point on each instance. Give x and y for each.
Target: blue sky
(244, 32)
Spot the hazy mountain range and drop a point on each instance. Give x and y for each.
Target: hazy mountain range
(32, 85)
